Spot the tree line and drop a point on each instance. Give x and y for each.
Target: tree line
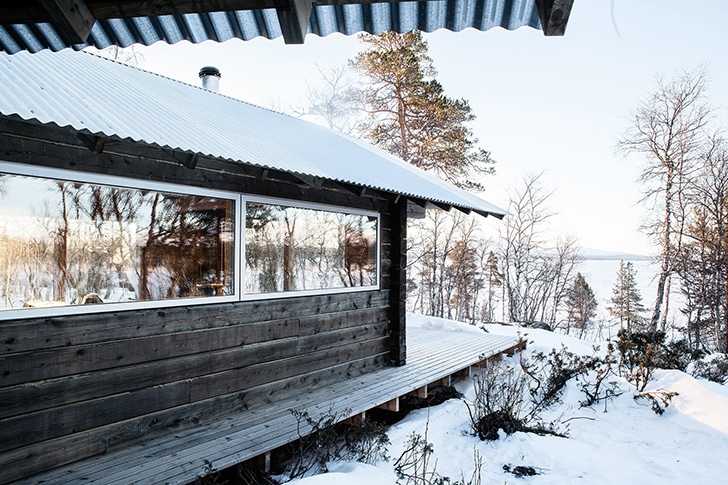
(389, 95)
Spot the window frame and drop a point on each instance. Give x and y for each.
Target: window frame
(312, 206)
(239, 265)
(124, 183)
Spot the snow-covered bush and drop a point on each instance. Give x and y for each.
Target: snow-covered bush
(416, 467)
(642, 352)
(330, 440)
(512, 397)
(714, 368)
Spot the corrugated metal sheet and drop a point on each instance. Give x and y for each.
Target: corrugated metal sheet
(99, 96)
(375, 18)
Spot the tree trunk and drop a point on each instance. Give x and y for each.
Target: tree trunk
(665, 256)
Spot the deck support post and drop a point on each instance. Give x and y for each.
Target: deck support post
(420, 392)
(356, 420)
(392, 405)
(398, 288)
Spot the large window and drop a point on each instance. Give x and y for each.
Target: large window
(101, 241)
(70, 243)
(296, 249)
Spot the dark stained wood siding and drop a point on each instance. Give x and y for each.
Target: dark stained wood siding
(79, 385)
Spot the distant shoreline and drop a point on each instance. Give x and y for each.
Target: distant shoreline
(618, 257)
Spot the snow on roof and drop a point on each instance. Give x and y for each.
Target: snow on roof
(102, 97)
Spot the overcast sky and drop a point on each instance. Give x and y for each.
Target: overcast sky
(553, 105)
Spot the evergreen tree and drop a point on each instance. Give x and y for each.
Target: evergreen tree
(626, 301)
(581, 305)
(494, 277)
(409, 115)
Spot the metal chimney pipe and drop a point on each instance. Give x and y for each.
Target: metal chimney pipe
(210, 77)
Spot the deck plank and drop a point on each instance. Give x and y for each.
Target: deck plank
(179, 457)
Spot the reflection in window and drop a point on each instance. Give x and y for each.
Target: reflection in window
(293, 249)
(74, 243)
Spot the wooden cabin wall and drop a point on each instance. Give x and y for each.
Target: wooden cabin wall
(76, 386)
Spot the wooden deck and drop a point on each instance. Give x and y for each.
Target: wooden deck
(433, 356)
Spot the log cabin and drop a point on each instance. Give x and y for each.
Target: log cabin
(172, 257)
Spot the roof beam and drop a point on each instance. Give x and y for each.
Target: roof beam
(554, 15)
(189, 160)
(310, 180)
(438, 205)
(92, 142)
(294, 17)
(71, 18)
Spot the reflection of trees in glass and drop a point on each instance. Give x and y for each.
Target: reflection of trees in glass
(9, 250)
(289, 253)
(262, 252)
(290, 248)
(79, 242)
(95, 240)
(358, 252)
(318, 259)
(184, 253)
(61, 245)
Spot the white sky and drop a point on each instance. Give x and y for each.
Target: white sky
(551, 105)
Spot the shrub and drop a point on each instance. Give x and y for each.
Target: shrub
(715, 370)
(512, 397)
(641, 353)
(330, 440)
(415, 466)
(678, 355)
(600, 388)
(500, 400)
(659, 399)
(557, 369)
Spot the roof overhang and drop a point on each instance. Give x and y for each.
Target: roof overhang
(114, 103)
(34, 25)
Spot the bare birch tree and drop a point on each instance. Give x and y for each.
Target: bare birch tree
(703, 264)
(522, 234)
(336, 100)
(536, 278)
(667, 128)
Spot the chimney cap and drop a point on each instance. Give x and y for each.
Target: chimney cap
(209, 71)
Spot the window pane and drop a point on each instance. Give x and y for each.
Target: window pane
(77, 243)
(292, 248)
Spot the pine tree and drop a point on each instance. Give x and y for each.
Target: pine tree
(494, 277)
(410, 116)
(581, 304)
(626, 301)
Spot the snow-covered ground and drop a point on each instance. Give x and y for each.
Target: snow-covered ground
(627, 444)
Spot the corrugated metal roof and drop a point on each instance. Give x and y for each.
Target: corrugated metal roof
(349, 19)
(115, 100)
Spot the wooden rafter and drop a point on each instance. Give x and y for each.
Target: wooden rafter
(72, 19)
(92, 142)
(554, 15)
(294, 17)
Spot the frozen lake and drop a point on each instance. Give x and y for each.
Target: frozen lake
(601, 275)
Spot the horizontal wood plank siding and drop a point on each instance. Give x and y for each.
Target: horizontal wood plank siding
(79, 385)
(435, 356)
(212, 372)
